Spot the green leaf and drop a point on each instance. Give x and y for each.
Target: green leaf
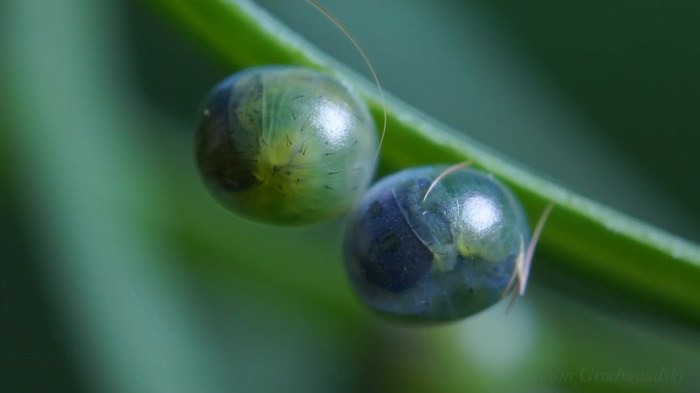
(602, 250)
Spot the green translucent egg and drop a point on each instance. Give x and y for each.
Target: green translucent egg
(438, 257)
(285, 145)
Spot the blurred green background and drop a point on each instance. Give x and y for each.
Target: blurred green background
(118, 273)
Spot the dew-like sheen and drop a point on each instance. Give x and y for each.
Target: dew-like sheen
(439, 259)
(285, 145)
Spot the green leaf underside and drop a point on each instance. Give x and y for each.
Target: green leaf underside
(585, 239)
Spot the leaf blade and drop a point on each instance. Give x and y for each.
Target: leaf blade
(589, 241)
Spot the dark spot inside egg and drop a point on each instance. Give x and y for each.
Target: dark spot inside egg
(225, 165)
(395, 258)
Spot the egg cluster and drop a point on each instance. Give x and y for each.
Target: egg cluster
(292, 146)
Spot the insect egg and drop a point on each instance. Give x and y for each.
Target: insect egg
(423, 249)
(285, 145)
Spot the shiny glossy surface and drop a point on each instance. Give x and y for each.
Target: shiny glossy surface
(439, 259)
(285, 145)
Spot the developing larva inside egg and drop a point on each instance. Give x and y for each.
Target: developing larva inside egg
(285, 145)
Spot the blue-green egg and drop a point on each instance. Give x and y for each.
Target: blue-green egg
(285, 145)
(438, 257)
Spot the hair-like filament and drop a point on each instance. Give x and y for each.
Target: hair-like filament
(522, 266)
(365, 58)
(445, 173)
